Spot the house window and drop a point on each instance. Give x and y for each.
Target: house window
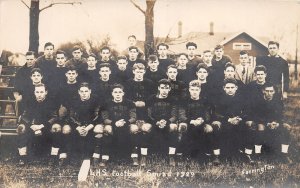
(242, 46)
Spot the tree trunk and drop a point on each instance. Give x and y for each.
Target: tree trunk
(34, 15)
(149, 22)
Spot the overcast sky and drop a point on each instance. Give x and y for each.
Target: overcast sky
(119, 18)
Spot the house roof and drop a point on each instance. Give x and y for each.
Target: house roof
(205, 41)
(259, 40)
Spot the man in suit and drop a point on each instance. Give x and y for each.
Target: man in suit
(244, 71)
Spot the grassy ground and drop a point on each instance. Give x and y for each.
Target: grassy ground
(159, 174)
(155, 175)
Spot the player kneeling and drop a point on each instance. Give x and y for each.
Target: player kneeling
(198, 136)
(118, 115)
(34, 124)
(83, 118)
(162, 112)
(270, 134)
(228, 113)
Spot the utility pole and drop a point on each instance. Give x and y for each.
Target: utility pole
(296, 58)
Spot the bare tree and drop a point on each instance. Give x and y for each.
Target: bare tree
(96, 44)
(34, 15)
(149, 22)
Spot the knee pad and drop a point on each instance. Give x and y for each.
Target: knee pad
(99, 135)
(173, 127)
(146, 127)
(66, 129)
(98, 129)
(56, 128)
(21, 129)
(108, 129)
(216, 124)
(208, 128)
(134, 129)
(260, 127)
(286, 126)
(182, 127)
(250, 125)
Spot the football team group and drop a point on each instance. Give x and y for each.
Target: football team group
(206, 108)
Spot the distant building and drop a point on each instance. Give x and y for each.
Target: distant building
(233, 44)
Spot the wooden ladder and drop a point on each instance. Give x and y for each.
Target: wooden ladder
(8, 73)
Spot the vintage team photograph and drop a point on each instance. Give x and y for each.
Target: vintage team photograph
(149, 93)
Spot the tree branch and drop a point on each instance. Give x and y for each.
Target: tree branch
(25, 4)
(69, 3)
(154, 1)
(138, 7)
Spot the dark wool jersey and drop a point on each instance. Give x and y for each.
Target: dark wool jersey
(28, 94)
(185, 75)
(113, 112)
(102, 89)
(44, 112)
(84, 113)
(159, 109)
(47, 67)
(193, 109)
(210, 73)
(276, 68)
(68, 94)
(164, 63)
(22, 78)
(264, 111)
(253, 91)
(218, 68)
(78, 63)
(209, 78)
(139, 91)
(155, 76)
(193, 63)
(242, 88)
(228, 107)
(59, 77)
(217, 90)
(131, 63)
(122, 76)
(178, 90)
(206, 92)
(89, 76)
